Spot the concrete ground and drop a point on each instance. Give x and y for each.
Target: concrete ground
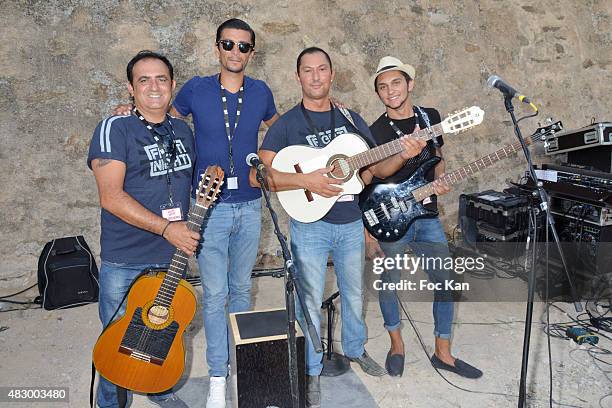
(41, 348)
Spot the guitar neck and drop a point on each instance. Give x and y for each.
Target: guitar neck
(383, 151)
(179, 262)
(456, 176)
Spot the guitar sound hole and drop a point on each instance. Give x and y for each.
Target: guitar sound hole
(341, 168)
(158, 314)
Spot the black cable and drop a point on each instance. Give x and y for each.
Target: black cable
(420, 338)
(16, 309)
(581, 323)
(528, 116)
(18, 293)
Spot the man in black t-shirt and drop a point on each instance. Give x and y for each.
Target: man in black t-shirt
(394, 82)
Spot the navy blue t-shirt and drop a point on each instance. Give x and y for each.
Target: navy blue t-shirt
(126, 139)
(293, 129)
(201, 97)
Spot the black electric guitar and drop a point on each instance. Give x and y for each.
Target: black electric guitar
(388, 210)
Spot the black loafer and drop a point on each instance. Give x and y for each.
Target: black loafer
(461, 367)
(394, 364)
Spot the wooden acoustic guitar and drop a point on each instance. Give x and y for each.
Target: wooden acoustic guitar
(143, 350)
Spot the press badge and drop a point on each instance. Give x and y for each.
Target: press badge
(172, 212)
(347, 197)
(232, 183)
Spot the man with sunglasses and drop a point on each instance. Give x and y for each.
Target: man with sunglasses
(316, 122)
(227, 110)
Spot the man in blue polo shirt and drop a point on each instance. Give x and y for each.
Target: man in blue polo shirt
(227, 110)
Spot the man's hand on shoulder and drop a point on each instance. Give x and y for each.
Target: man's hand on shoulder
(182, 237)
(319, 183)
(123, 110)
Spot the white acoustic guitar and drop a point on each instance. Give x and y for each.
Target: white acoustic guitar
(348, 153)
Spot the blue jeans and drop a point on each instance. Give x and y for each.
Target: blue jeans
(311, 245)
(230, 239)
(426, 239)
(115, 280)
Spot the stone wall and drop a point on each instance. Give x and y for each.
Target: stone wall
(63, 62)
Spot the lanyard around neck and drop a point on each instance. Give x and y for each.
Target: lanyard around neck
(311, 124)
(168, 158)
(231, 132)
(396, 129)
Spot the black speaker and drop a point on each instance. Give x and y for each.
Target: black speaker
(587, 249)
(259, 358)
(597, 157)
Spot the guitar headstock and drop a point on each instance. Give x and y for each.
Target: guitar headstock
(545, 131)
(209, 186)
(463, 120)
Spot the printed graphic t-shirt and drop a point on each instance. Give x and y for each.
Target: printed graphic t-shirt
(292, 128)
(126, 139)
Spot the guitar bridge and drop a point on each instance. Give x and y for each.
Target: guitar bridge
(140, 356)
(146, 344)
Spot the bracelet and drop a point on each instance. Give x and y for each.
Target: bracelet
(165, 228)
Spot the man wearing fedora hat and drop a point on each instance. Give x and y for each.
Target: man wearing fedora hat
(393, 82)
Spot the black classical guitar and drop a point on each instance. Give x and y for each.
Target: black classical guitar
(388, 210)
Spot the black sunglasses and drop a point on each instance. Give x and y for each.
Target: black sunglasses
(228, 45)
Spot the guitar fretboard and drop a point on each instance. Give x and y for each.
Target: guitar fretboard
(178, 265)
(383, 151)
(427, 190)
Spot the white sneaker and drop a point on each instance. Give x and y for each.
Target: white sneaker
(216, 393)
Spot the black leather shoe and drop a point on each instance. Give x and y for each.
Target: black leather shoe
(394, 364)
(461, 367)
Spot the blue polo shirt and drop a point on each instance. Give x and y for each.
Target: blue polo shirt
(201, 97)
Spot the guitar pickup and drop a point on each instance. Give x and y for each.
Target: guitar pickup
(371, 218)
(403, 207)
(394, 202)
(385, 210)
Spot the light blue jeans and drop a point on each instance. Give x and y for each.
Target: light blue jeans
(115, 280)
(311, 245)
(230, 239)
(426, 239)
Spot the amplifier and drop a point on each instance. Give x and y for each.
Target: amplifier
(597, 134)
(494, 223)
(259, 360)
(584, 185)
(588, 253)
(589, 213)
(503, 213)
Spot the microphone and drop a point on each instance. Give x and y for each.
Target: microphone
(252, 160)
(496, 82)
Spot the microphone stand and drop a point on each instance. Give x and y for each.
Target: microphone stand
(292, 288)
(550, 223)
